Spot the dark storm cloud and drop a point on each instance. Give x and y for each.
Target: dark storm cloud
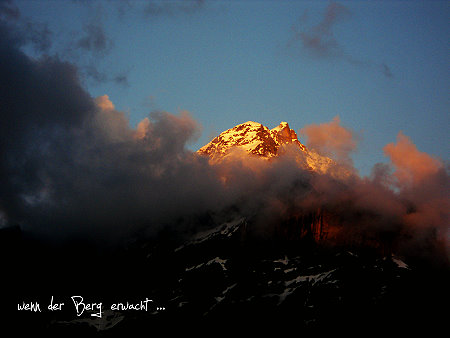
(74, 164)
(70, 160)
(35, 98)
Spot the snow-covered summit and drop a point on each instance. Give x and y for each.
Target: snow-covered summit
(254, 138)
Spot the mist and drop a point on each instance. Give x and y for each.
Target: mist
(72, 166)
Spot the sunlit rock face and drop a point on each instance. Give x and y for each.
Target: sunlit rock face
(252, 138)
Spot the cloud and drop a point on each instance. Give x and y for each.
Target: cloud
(39, 35)
(38, 96)
(331, 139)
(424, 183)
(8, 10)
(156, 8)
(92, 72)
(412, 165)
(165, 8)
(74, 160)
(319, 39)
(26, 31)
(320, 42)
(104, 103)
(95, 39)
(91, 43)
(386, 70)
(121, 78)
(142, 128)
(73, 167)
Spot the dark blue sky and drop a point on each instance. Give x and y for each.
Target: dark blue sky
(382, 67)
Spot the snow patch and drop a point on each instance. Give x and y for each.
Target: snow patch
(282, 261)
(314, 279)
(218, 261)
(400, 263)
(311, 278)
(227, 229)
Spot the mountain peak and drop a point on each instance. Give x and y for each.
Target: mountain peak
(254, 138)
(286, 135)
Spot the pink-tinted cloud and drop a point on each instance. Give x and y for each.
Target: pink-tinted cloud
(104, 103)
(142, 128)
(411, 165)
(331, 139)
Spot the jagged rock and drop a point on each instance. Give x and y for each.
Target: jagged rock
(256, 139)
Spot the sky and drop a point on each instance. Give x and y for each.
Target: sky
(381, 67)
(104, 103)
